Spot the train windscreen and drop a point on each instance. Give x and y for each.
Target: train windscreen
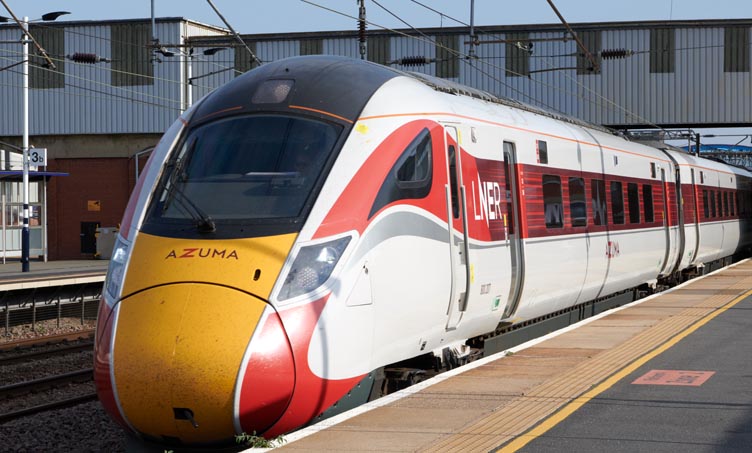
(244, 168)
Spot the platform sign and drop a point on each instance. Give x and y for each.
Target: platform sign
(38, 157)
(674, 377)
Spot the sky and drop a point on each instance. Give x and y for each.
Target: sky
(273, 16)
(277, 16)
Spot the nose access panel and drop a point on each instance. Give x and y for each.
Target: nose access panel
(181, 346)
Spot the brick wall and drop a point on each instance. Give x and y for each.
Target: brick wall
(96, 190)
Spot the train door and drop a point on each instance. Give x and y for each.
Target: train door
(696, 207)
(666, 223)
(514, 235)
(457, 219)
(681, 239)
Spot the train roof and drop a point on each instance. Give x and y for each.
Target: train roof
(447, 86)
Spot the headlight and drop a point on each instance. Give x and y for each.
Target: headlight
(116, 270)
(312, 267)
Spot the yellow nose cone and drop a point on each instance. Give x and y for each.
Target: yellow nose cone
(180, 347)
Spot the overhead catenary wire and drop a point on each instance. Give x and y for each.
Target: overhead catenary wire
(101, 69)
(463, 57)
(426, 39)
(599, 95)
(234, 33)
(120, 89)
(69, 31)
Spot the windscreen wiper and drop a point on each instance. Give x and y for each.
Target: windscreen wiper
(204, 222)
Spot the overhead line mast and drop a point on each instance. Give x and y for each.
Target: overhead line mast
(582, 46)
(362, 30)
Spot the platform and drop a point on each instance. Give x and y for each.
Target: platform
(51, 273)
(668, 373)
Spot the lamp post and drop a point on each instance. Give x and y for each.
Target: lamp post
(26, 38)
(25, 147)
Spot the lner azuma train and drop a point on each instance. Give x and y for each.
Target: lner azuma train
(320, 218)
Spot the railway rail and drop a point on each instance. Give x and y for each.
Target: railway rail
(18, 358)
(20, 389)
(47, 339)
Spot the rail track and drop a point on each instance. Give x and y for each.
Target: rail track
(46, 340)
(20, 389)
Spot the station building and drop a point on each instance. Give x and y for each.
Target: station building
(100, 119)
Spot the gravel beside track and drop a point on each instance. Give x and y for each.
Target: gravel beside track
(42, 328)
(82, 428)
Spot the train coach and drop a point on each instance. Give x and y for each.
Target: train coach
(320, 218)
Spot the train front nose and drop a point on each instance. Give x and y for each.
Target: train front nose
(178, 361)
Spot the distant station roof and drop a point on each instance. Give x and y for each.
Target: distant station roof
(711, 148)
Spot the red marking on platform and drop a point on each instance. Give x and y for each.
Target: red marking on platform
(674, 377)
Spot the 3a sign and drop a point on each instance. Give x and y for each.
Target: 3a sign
(38, 157)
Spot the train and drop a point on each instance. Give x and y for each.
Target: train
(320, 218)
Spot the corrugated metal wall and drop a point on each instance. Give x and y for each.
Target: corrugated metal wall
(700, 90)
(102, 98)
(623, 91)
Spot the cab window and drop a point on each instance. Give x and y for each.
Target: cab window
(411, 175)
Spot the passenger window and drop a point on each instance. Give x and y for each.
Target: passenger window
(731, 203)
(705, 204)
(577, 204)
(552, 202)
(542, 148)
(633, 198)
(617, 203)
(720, 204)
(647, 201)
(725, 204)
(411, 175)
(598, 199)
(711, 195)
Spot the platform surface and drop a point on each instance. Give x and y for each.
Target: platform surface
(574, 391)
(11, 269)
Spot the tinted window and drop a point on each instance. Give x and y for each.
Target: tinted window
(253, 167)
(617, 203)
(731, 204)
(720, 204)
(647, 201)
(577, 203)
(725, 204)
(414, 165)
(705, 204)
(453, 182)
(542, 151)
(552, 202)
(598, 198)
(633, 198)
(711, 195)
(411, 175)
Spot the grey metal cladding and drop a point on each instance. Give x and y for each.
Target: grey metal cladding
(379, 49)
(132, 58)
(52, 40)
(311, 46)
(736, 49)
(662, 50)
(448, 56)
(517, 62)
(591, 39)
(243, 60)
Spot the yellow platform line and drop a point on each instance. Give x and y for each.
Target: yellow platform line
(516, 416)
(577, 403)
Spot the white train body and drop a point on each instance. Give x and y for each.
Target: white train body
(440, 214)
